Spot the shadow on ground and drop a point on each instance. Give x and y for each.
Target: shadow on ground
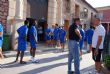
(44, 68)
(44, 60)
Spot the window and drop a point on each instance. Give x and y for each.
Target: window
(85, 12)
(67, 4)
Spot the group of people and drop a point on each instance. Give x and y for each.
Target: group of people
(77, 37)
(27, 32)
(86, 39)
(55, 36)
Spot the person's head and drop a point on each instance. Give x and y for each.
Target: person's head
(53, 26)
(80, 25)
(26, 22)
(56, 25)
(77, 21)
(96, 21)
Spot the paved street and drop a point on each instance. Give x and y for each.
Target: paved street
(51, 62)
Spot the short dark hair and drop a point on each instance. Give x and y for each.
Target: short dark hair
(76, 19)
(26, 22)
(56, 24)
(98, 18)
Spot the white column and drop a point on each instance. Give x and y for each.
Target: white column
(72, 10)
(52, 11)
(59, 12)
(19, 9)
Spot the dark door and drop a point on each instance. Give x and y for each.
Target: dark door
(38, 9)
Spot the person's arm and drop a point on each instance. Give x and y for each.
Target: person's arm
(100, 33)
(98, 44)
(0, 34)
(78, 33)
(35, 36)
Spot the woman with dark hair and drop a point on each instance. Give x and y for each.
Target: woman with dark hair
(47, 36)
(33, 41)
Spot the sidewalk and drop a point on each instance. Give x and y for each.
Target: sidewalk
(41, 48)
(51, 62)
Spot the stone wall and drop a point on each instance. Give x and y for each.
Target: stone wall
(4, 6)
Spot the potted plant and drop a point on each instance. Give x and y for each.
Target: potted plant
(107, 61)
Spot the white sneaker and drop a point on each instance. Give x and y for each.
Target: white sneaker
(31, 59)
(35, 61)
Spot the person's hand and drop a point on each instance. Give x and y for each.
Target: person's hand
(96, 52)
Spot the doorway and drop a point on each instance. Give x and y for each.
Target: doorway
(38, 9)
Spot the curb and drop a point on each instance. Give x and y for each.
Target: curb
(105, 70)
(13, 53)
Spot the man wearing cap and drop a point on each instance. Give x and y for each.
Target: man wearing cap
(73, 46)
(97, 44)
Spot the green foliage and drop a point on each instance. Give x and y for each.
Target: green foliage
(107, 61)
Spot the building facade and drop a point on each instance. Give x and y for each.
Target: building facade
(53, 11)
(104, 13)
(4, 7)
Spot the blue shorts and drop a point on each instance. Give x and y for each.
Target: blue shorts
(56, 38)
(81, 44)
(89, 42)
(62, 41)
(21, 46)
(33, 44)
(47, 38)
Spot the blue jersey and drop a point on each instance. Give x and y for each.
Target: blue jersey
(1, 37)
(22, 32)
(47, 34)
(33, 36)
(89, 35)
(85, 38)
(62, 35)
(56, 33)
(82, 32)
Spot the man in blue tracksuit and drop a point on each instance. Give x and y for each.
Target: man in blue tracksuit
(22, 41)
(82, 32)
(47, 36)
(62, 37)
(56, 35)
(90, 33)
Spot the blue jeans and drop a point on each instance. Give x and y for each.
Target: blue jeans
(73, 47)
